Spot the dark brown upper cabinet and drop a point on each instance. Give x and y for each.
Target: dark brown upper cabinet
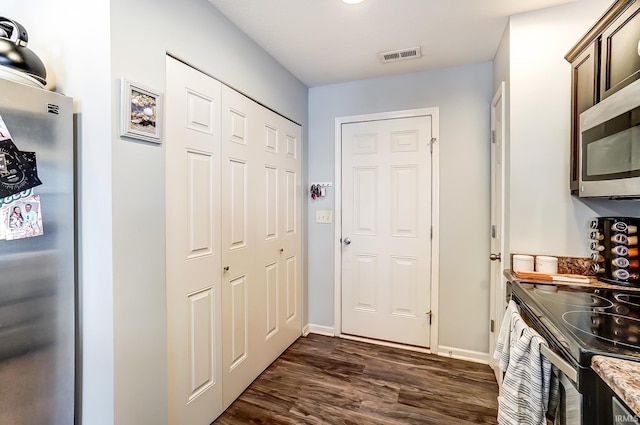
(603, 61)
(620, 62)
(583, 96)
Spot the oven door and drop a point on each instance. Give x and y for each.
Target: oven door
(565, 401)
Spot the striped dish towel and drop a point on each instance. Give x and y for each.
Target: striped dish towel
(502, 349)
(524, 394)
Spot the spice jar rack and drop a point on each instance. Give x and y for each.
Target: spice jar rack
(614, 242)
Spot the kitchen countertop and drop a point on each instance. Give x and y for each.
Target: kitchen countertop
(623, 376)
(593, 282)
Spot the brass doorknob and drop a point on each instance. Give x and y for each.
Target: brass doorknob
(494, 257)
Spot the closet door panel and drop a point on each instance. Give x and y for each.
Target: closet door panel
(239, 365)
(290, 228)
(193, 258)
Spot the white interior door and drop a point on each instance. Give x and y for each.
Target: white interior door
(193, 261)
(498, 289)
(279, 235)
(386, 229)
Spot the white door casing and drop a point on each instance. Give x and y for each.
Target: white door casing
(386, 212)
(498, 282)
(193, 260)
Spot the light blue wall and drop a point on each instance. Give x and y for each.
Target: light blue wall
(88, 46)
(463, 95)
(141, 33)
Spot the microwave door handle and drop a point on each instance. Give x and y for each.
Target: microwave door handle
(560, 363)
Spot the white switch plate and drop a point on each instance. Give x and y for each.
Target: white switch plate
(324, 216)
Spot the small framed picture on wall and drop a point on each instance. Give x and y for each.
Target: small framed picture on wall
(141, 112)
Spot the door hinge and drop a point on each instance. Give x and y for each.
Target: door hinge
(431, 142)
(493, 325)
(431, 233)
(430, 314)
(493, 230)
(493, 136)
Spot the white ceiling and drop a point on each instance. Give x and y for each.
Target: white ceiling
(327, 41)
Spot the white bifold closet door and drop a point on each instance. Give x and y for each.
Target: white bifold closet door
(261, 253)
(233, 211)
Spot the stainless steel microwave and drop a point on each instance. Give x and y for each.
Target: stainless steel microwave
(609, 148)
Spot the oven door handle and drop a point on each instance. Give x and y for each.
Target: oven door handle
(560, 363)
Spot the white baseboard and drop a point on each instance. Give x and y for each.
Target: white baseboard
(462, 354)
(320, 330)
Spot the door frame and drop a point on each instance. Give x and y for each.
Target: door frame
(435, 208)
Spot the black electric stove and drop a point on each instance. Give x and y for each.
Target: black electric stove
(578, 323)
(584, 321)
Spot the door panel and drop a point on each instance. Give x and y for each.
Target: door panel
(270, 207)
(270, 139)
(291, 202)
(201, 111)
(365, 189)
(199, 211)
(239, 244)
(386, 213)
(238, 214)
(239, 321)
(201, 341)
(404, 271)
(365, 284)
(292, 280)
(404, 193)
(271, 283)
(193, 263)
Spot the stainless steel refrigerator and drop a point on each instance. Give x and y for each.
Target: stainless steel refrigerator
(38, 262)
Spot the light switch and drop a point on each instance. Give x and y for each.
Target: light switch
(324, 216)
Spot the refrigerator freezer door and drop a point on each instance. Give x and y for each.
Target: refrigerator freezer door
(38, 273)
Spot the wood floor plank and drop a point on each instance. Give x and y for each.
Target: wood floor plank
(324, 380)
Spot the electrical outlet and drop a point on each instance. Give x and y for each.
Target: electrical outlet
(324, 216)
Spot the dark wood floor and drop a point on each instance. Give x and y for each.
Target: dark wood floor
(324, 380)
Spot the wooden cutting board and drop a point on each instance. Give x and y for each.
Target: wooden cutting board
(555, 278)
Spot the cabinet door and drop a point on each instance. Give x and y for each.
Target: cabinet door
(583, 91)
(620, 64)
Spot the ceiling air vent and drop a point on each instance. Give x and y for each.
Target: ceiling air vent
(398, 55)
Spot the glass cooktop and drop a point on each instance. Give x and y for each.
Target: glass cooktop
(584, 321)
